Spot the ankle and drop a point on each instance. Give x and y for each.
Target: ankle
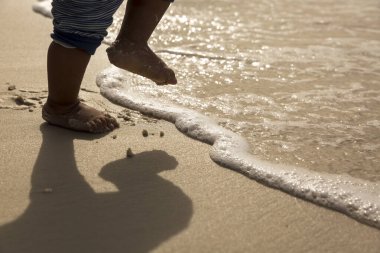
(127, 42)
(60, 107)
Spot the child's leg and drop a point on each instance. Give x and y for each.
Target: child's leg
(66, 67)
(73, 28)
(131, 52)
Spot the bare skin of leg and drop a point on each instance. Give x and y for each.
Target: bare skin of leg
(131, 52)
(66, 68)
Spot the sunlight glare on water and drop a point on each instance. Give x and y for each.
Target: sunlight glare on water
(299, 79)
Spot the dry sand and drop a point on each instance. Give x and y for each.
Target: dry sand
(62, 191)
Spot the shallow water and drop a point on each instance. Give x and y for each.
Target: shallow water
(301, 84)
(299, 79)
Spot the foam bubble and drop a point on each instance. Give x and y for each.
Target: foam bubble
(357, 198)
(43, 7)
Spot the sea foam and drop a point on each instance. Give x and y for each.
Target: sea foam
(357, 198)
(43, 7)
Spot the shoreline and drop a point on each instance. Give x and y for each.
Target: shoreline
(353, 197)
(223, 210)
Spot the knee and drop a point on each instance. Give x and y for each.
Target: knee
(74, 40)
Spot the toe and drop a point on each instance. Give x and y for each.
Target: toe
(110, 124)
(91, 126)
(170, 77)
(98, 128)
(112, 120)
(105, 124)
(103, 119)
(116, 124)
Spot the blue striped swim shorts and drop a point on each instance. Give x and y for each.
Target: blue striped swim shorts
(83, 23)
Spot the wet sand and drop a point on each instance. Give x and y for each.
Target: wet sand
(62, 191)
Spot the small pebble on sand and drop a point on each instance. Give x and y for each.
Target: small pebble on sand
(12, 87)
(145, 133)
(114, 136)
(162, 134)
(19, 100)
(130, 153)
(23, 101)
(31, 110)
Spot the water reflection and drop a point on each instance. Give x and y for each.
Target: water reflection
(291, 76)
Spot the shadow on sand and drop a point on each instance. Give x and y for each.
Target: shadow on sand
(145, 212)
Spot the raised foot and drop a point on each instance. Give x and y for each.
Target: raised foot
(79, 117)
(141, 60)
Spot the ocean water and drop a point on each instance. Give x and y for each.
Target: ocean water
(286, 92)
(299, 79)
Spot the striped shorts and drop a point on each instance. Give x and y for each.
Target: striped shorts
(82, 23)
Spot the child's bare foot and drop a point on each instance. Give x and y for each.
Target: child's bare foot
(141, 60)
(79, 117)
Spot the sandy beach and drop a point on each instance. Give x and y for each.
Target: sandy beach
(63, 191)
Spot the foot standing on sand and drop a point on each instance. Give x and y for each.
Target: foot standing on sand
(79, 28)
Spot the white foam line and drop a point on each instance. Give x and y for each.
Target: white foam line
(358, 199)
(43, 7)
